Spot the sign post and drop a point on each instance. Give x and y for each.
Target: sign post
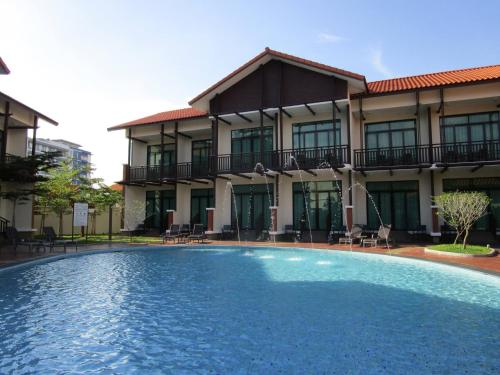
(80, 215)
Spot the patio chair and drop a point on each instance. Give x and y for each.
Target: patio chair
(198, 234)
(354, 235)
(13, 236)
(383, 234)
(52, 240)
(227, 232)
(173, 233)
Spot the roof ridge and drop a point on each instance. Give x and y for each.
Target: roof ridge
(434, 73)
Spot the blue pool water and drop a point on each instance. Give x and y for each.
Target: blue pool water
(242, 310)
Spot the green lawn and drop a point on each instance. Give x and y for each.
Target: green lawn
(103, 238)
(470, 249)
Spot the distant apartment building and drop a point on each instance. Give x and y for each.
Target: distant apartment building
(16, 119)
(79, 157)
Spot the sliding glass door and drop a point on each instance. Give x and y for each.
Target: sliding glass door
(252, 207)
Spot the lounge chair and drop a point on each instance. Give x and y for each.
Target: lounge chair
(173, 234)
(227, 232)
(198, 234)
(52, 240)
(383, 234)
(354, 235)
(13, 236)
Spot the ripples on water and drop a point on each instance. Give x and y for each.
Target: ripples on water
(280, 311)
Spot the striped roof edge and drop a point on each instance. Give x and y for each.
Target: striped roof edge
(4, 69)
(285, 56)
(173, 115)
(432, 80)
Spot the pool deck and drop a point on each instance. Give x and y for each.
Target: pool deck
(486, 264)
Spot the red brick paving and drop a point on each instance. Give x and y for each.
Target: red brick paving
(490, 264)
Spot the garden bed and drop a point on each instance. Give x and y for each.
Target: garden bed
(457, 250)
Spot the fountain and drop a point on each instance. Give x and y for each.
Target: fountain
(259, 168)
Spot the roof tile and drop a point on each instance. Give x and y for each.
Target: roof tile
(176, 114)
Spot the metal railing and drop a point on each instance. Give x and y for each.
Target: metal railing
(466, 152)
(314, 158)
(4, 223)
(392, 156)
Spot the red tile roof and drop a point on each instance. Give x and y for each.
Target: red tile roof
(174, 115)
(451, 77)
(3, 67)
(284, 56)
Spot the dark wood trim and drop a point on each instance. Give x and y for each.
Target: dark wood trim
(286, 113)
(223, 120)
(162, 150)
(276, 138)
(477, 167)
(261, 135)
(242, 175)
(432, 184)
(429, 129)
(5, 131)
(441, 101)
(139, 140)
(129, 136)
(361, 119)
(200, 181)
(348, 121)
(182, 183)
(444, 170)
(267, 115)
(185, 135)
(281, 136)
(247, 119)
(310, 109)
(310, 172)
(417, 114)
(286, 174)
(334, 122)
(269, 176)
(168, 135)
(33, 140)
(223, 178)
(350, 186)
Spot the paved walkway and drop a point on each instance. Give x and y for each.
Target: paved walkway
(489, 264)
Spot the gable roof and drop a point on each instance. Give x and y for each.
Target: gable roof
(430, 80)
(283, 56)
(173, 115)
(3, 67)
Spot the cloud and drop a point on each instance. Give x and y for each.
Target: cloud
(376, 61)
(330, 38)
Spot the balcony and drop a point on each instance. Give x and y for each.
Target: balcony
(156, 173)
(421, 156)
(472, 153)
(392, 157)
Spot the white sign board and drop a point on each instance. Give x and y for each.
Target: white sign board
(80, 213)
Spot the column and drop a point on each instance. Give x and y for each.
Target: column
(348, 218)
(170, 218)
(210, 215)
(436, 230)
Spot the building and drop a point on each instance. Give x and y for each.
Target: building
(16, 119)
(79, 157)
(403, 140)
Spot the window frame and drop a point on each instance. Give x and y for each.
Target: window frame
(443, 126)
(337, 138)
(390, 133)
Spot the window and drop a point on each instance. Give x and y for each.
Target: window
(245, 148)
(157, 204)
(316, 134)
(477, 127)
(490, 186)
(390, 134)
(324, 203)
(154, 155)
(201, 199)
(252, 206)
(397, 203)
(1, 142)
(200, 152)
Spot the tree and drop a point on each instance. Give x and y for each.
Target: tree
(60, 190)
(461, 210)
(101, 198)
(19, 196)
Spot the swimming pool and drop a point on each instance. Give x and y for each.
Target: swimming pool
(247, 310)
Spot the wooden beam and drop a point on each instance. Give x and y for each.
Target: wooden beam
(5, 131)
(286, 113)
(444, 170)
(310, 172)
(242, 175)
(247, 119)
(477, 167)
(267, 115)
(200, 181)
(183, 182)
(338, 171)
(420, 170)
(33, 140)
(224, 121)
(310, 109)
(185, 135)
(441, 104)
(336, 106)
(168, 136)
(269, 175)
(286, 174)
(223, 178)
(138, 140)
(391, 172)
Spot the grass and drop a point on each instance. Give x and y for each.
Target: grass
(118, 238)
(470, 249)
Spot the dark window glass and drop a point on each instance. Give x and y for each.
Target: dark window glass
(477, 127)
(157, 204)
(316, 134)
(1, 142)
(397, 203)
(390, 134)
(252, 206)
(154, 155)
(322, 200)
(201, 199)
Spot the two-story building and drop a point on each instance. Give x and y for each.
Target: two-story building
(301, 142)
(16, 119)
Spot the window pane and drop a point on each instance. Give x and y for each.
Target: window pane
(371, 141)
(383, 140)
(377, 127)
(409, 138)
(454, 120)
(461, 134)
(412, 204)
(480, 117)
(477, 133)
(397, 139)
(399, 221)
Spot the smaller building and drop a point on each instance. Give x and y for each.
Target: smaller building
(79, 157)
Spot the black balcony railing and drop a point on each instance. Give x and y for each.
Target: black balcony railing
(456, 153)
(315, 158)
(392, 157)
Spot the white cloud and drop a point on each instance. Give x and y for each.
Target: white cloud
(330, 38)
(376, 61)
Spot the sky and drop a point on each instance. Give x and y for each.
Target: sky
(91, 64)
